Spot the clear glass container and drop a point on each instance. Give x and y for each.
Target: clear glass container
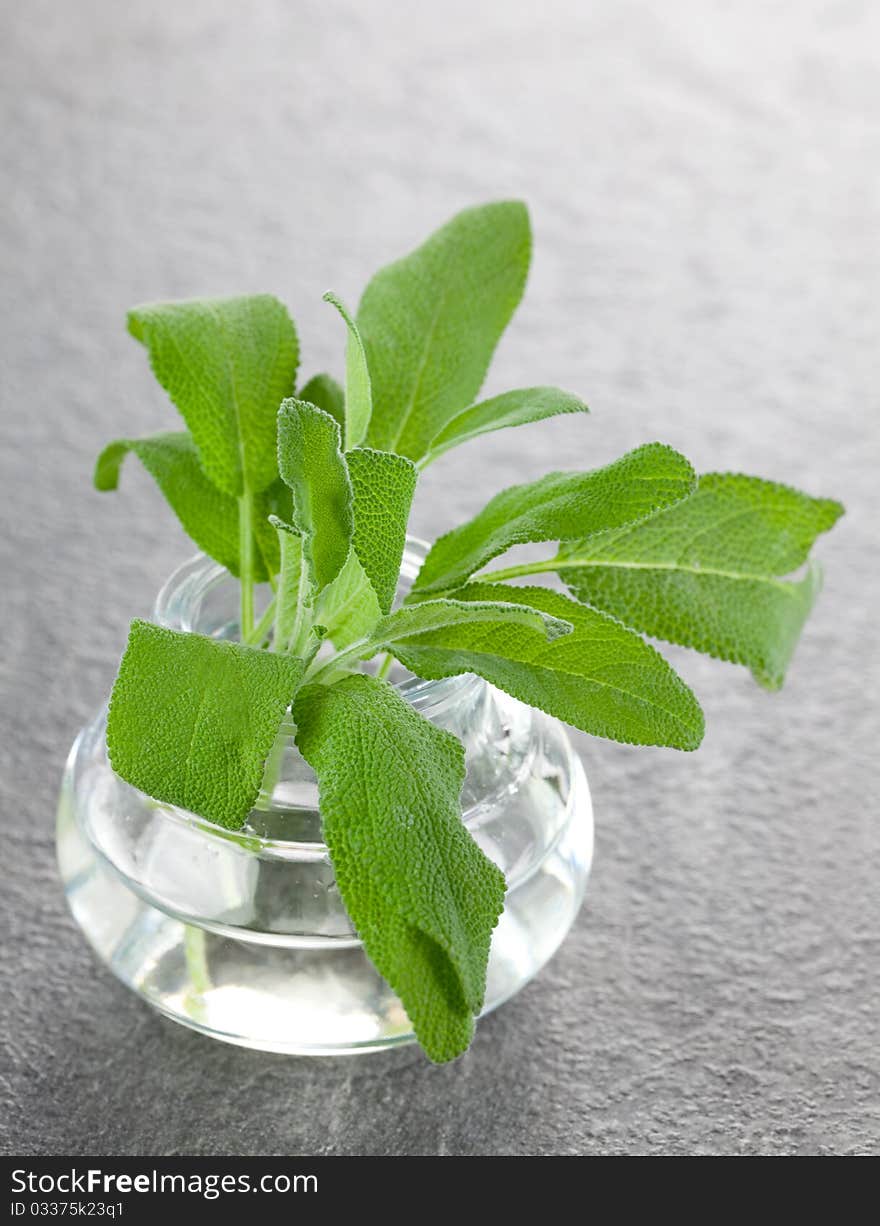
(243, 935)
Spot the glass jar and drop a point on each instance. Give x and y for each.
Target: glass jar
(242, 935)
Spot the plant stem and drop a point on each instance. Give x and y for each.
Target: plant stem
(339, 662)
(196, 962)
(261, 629)
(246, 564)
(385, 667)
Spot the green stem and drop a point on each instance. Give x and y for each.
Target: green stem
(196, 961)
(385, 667)
(246, 564)
(325, 671)
(261, 629)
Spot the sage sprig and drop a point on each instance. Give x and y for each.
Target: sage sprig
(309, 490)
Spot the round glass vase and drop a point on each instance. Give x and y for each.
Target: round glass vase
(243, 935)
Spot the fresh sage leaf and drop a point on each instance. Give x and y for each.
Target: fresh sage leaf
(226, 363)
(422, 895)
(294, 589)
(382, 486)
(491, 620)
(706, 573)
(601, 678)
(349, 606)
(311, 463)
(430, 323)
(358, 397)
(558, 507)
(494, 621)
(517, 408)
(206, 514)
(192, 719)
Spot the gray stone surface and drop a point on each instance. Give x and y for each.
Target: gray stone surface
(704, 192)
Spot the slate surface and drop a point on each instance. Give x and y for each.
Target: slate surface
(704, 193)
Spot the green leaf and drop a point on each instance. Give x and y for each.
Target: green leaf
(558, 507)
(348, 606)
(310, 461)
(430, 323)
(517, 408)
(207, 515)
(601, 678)
(358, 397)
(192, 719)
(293, 586)
(226, 363)
(422, 895)
(325, 393)
(406, 625)
(488, 620)
(383, 486)
(706, 573)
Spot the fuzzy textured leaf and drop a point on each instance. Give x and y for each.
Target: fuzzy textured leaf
(430, 323)
(226, 363)
(311, 463)
(422, 895)
(207, 515)
(558, 507)
(294, 592)
(407, 625)
(192, 719)
(358, 397)
(349, 606)
(383, 486)
(706, 573)
(602, 677)
(516, 408)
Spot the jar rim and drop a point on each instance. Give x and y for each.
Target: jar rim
(198, 573)
(182, 591)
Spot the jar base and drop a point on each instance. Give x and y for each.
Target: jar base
(302, 998)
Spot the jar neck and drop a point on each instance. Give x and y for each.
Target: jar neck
(201, 597)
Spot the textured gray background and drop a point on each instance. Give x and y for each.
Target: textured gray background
(705, 197)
